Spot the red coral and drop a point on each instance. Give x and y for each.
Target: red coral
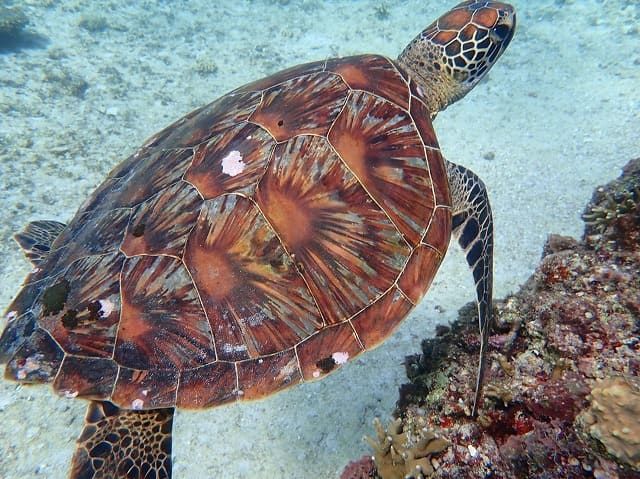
(364, 468)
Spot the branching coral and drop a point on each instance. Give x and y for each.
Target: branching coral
(600, 216)
(613, 202)
(404, 451)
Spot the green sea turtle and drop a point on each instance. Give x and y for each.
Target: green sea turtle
(260, 241)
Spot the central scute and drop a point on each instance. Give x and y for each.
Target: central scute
(345, 246)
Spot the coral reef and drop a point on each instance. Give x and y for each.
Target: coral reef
(612, 203)
(614, 418)
(562, 390)
(364, 468)
(405, 449)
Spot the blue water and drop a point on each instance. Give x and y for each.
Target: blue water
(85, 85)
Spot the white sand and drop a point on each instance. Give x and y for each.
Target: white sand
(559, 114)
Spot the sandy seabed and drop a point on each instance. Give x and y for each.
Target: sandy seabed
(557, 116)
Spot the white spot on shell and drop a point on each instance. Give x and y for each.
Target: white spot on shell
(289, 369)
(340, 357)
(137, 404)
(472, 450)
(7, 318)
(231, 348)
(106, 307)
(256, 319)
(145, 392)
(232, 164)
(70, 394)
(316, 374)
(31, 364)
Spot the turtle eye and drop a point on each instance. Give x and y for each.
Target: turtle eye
(500, 32)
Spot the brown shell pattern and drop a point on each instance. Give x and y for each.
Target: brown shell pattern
(262, 240)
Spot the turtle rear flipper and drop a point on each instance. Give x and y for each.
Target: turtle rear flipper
(37, 237)
(119, 443)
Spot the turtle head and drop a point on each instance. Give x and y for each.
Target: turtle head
(453, 53)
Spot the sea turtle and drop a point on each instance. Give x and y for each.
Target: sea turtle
(258, 242)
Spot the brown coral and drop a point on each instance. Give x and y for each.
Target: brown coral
(614, 418)
(404, 450)
(364, 468)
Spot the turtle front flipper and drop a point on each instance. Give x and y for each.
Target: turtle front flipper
(473, 228)
(119, 443)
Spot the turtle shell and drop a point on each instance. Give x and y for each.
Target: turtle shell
(260, 241)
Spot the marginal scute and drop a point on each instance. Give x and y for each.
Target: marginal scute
(283, 76)
(209, 385)
(203, 123)
(372, 73)
(88, 378)
(16, 332)
(421, 116)
(375, 323)
(317, 354)
(93, 234)
(419, 272)
(37, 360)
(261, 377)
(145, 389)
(137, 182)
(438, 232)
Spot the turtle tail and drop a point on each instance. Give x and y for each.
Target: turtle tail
(124, 444)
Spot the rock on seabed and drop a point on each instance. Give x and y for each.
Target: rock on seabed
(562, 391)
